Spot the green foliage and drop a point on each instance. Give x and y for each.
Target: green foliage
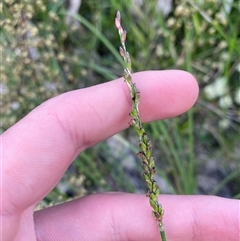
(43, 56)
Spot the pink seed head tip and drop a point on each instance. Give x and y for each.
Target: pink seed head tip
(124, 36)
(121, 51)
(117, 23)
(118, 15)
(118, 20)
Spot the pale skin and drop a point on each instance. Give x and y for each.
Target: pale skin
(39, 148)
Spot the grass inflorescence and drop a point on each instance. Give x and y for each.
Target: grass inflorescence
(144, 142)
(45, 55)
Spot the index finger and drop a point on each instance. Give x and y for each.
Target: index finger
(43, 144)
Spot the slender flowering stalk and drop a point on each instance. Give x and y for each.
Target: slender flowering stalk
(144, 143)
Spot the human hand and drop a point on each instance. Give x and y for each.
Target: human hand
(39, 148)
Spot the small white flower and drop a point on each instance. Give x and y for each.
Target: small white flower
(225, 102)
(15, 105)
(217, 89)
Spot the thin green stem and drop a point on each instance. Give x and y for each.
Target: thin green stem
(162, 233)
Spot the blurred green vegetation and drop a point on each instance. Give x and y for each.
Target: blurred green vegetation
(46, 51)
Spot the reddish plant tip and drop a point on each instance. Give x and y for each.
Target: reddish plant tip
(121, 51)
(118, 15)
(124, 36)
(118, 20)
(117, 23)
